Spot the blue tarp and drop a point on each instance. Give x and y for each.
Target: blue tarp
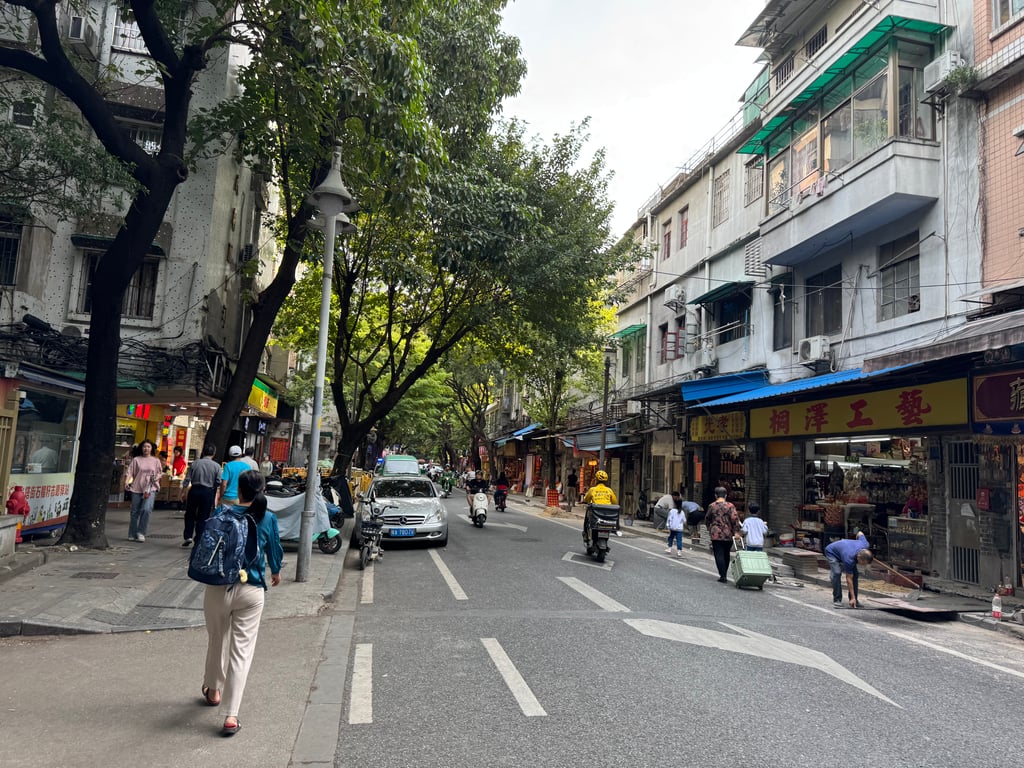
(726, 384)
(799, 385)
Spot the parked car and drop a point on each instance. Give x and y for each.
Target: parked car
(397, 464)
(416, 511)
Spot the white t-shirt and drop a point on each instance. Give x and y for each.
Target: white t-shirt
(676, 520)
(754, 529)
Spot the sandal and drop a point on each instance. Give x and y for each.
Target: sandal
(208, 700)
(231, 730)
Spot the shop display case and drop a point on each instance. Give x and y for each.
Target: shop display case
(731, 472)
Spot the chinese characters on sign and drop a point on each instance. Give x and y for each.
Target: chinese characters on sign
(718, 426)
(924, 405)
(997, 403)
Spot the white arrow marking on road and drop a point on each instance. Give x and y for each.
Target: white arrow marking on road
(515, 682)
(360, 701)
(367, 596)
(753, 644)
(599, 598)
(446, 574)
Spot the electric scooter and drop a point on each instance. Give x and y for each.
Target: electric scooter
(478, 513)
(600, 522)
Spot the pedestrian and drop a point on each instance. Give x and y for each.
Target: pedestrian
(233, 611)
(229, 477)
(572, 484)
(693, 512)
(178, 464)
(663, 506)
(143, 484)
(754, 529)
(723, 524)
(200, 491)
(266, 467)
(247, 457)
(843, 556)
(676, 521)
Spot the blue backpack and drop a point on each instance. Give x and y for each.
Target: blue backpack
(221, 553)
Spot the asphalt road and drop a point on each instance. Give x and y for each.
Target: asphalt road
(510, 648)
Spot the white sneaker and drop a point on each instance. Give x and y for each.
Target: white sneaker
(668, 551)
(133, 538)
(140, 537)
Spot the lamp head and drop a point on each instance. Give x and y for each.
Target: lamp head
(330, 196)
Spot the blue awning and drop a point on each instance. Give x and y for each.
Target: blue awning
(726, 384)
(800, 385)
(525, 430)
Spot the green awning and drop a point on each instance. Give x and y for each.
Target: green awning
(757, 144)
(629, 330)
(122, 383)
(101, 243)
(722, 292)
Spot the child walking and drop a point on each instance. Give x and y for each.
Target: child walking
(675, 523)
(754, 529)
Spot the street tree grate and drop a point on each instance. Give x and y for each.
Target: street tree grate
(94, 575)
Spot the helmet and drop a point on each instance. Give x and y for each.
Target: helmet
(601, 476)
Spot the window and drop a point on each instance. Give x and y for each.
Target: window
(899, 277)
(1004, 10)
(666, 239)
(10, 244)
(816, 43)
(824, 302)
(783, 72)
(23, 113)
(139, 297)
(640, 340)
(45, 437)
(684, 226)
(837, 139)
(626, 358)
(733, 317)
(804, 157)
(778, 183)
(657, 471)
(871, 116)
(781, 291)
(680, 336)
(753, 181)
(916, 119)
(668, 342)
(720, 204)
(145, 135)
(126, 34)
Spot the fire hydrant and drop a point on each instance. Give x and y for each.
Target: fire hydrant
(17, 504)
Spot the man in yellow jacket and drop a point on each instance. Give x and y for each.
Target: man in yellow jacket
(598, 494)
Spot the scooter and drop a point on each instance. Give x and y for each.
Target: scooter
(600, 523)
(478, 512)
(500, 495)
(288, 505)
(371, 533)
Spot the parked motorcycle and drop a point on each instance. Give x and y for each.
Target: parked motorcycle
(289, 503)
(478, 513)
(371, 534)
(600, 523)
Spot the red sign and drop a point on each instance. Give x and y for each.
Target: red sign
(983, 498)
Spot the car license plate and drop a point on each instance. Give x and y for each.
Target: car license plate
(403, 531)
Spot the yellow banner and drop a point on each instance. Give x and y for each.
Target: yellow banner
(705, 428)
(943, 403)
(263, 398)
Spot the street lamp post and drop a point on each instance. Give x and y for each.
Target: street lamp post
(331, 200)
(608, 354)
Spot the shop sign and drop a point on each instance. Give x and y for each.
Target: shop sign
(141, 411)
(708, 428)
(48, 496)
(920, 406)
(263, 398)
(997, 403)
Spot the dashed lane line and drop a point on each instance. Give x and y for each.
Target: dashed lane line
(516, 684)
(446, 574)
(360, 702)
(600, 599)
(366, 596)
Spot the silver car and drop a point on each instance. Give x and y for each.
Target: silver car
(411, 506)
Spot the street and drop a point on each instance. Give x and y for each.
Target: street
(510, 648)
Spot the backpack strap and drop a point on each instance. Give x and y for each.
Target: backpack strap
(251, 538)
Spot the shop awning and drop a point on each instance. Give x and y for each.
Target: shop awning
(722, 292)
(101, 243)
(629, 330)
(976, 336)
(799, 385)
(68, 381)
(122, 382)
(591, 440)
(726, 384)
(518, 434)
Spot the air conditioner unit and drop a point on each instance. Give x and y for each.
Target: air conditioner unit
(814, 349)
(76, 29)
(675, 298)
(936, 72)
(708, 357)
(247, 253)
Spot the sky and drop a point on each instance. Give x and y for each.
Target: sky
(658, 79)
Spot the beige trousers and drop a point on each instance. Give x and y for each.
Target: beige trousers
(232, 623)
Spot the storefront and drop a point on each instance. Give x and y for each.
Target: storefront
(719, 457)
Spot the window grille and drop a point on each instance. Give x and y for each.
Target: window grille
(816, 43)
(784, 71)
(10, 244)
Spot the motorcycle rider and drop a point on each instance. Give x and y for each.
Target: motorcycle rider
(598, 494)
(500, 490)
(474, 485)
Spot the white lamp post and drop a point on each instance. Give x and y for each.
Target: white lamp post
(331, 200)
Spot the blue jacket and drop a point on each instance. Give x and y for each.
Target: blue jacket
(269, 539)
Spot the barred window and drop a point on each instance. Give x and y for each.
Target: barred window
(10, 244)
(753, 181)
(720, 204)
(139, 297)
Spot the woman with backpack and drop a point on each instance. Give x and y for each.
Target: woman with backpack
(233, 611)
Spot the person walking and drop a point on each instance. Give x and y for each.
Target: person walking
(572, 484)
(178, 464)
(675, 523)
(200, 491)
(248, 456)
(844, 556)
(229, 477)
(233, 611)
(663, 506)
(266, 466)
(143, 483)
(754, 529)
(723, 524)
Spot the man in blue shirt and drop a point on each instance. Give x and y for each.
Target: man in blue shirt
(843, 557)
(229, 478)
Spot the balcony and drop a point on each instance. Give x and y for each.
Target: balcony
(899, 179)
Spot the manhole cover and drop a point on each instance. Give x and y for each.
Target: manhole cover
(94, 575)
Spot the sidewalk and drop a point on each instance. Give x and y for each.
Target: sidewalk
(136, 586)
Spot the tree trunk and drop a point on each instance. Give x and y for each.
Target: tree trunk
(87, 513)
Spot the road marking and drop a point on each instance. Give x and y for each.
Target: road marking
(958, 654)
(449, 579)
(754, 644)
(832, 611)
(599, 598)
(578, 558)
(360, 701)
(366, 598)
(522, 528)
(516, 684)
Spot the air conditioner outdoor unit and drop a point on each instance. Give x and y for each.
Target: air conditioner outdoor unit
(675, 298)
(708, 358)
(247, 253)
(936, 72)
(814, 349)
